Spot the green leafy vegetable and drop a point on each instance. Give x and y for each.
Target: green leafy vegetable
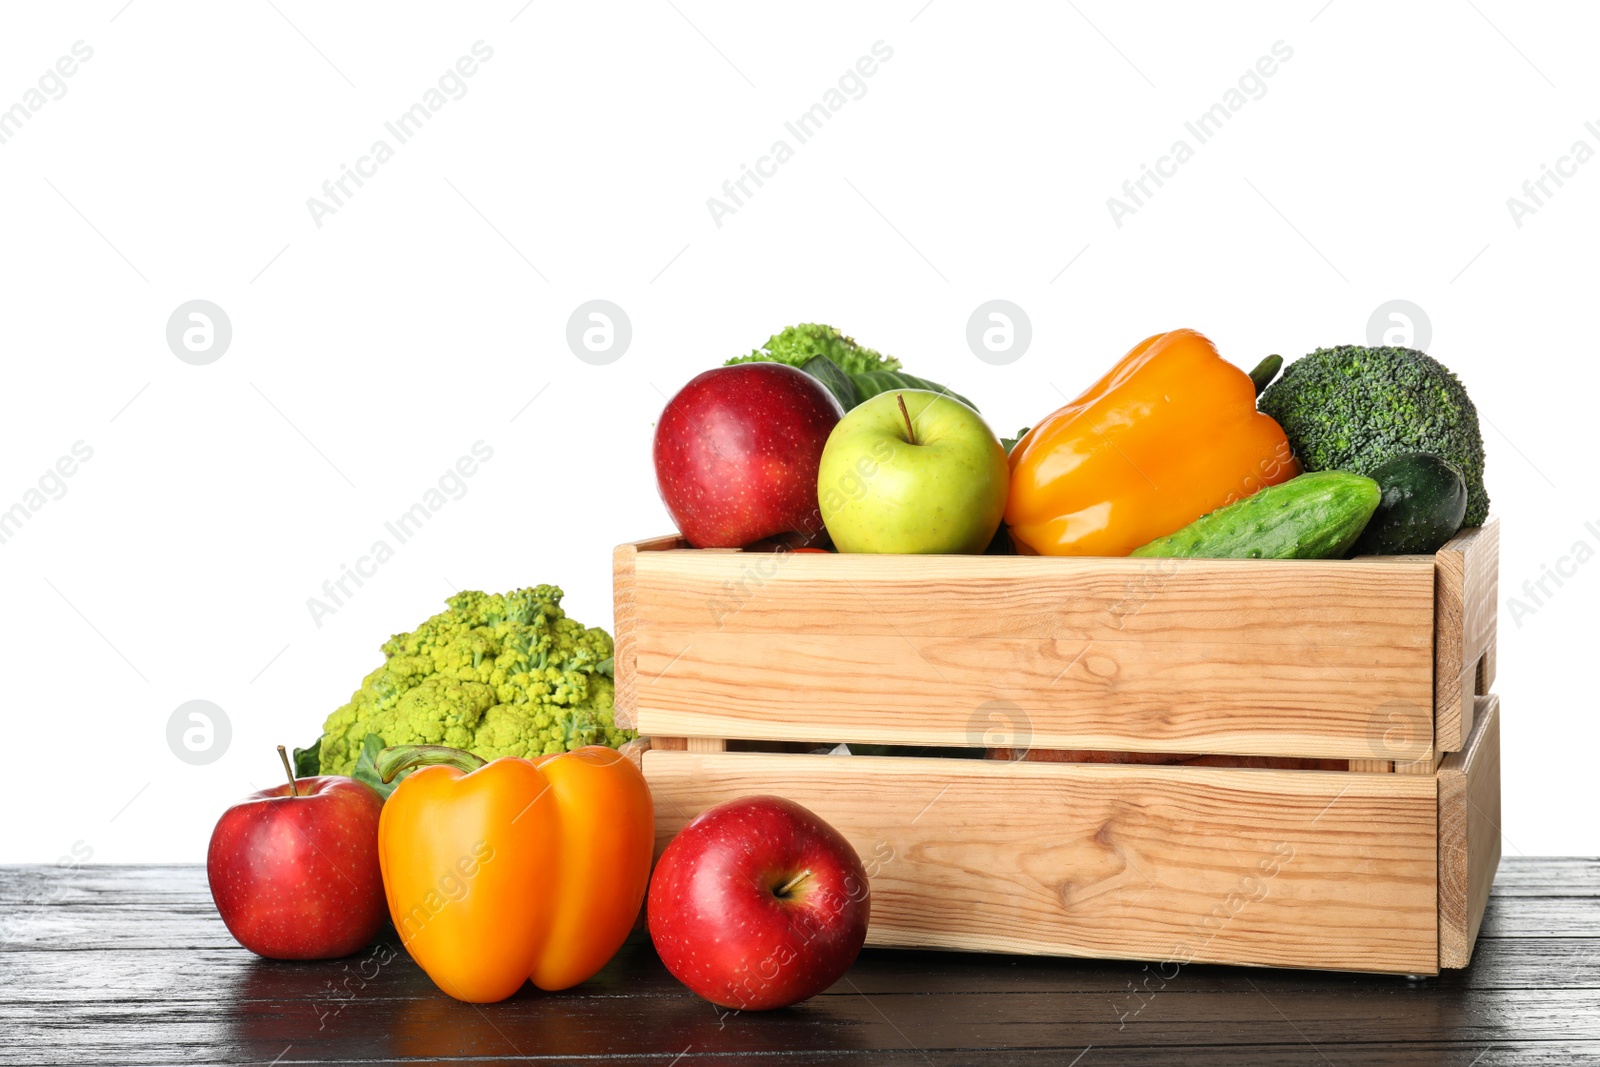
(1354, 409)
(796, 344)
(367, 770)
(308, 761)
(1008, 443)
(811, 347)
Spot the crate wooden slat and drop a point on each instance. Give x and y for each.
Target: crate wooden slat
(1467, 595)
(1282, 868)
(624, 584)
(1469, 834)
(1328, 659)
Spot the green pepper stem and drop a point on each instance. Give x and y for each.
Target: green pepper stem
(396, 758)
(1265, 371)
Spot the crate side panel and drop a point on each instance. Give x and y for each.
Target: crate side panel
(1469, 834)
(1283, 658)
(1467, 588)
(624, 657)
(1279, 868)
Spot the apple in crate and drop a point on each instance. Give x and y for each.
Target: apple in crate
(757, 903)
(294, 869)
(736, 454)
(913, 471)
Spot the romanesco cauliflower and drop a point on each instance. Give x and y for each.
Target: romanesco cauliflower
(497, 675)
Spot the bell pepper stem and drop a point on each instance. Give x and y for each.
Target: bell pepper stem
(293, 791)
(396, 758)
(1265, 371)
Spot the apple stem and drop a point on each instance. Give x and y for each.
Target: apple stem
(911, 432)
(788, 887)
(288, 770)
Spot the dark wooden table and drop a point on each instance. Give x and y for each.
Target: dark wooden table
(131, 965)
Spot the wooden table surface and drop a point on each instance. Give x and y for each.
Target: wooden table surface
(131, 965)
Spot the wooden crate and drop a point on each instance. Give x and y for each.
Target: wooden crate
(1384, 663)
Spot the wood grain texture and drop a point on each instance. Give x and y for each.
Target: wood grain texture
(1298, 658)
(1283, 868)
(1089, 755)
(1486, 667)
(634, 750)
(1213, 698)
(624, 621)
(623, 615)
(1422, 766)
(131, 965)
(1466, 592)
(1469, 834)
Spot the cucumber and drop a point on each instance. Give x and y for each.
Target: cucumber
(1424, 501)
(838, 382)
(872, 382)
(1313, 516)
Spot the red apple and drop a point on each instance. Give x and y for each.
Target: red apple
(295, 875)
(758, 904)
(737, 450)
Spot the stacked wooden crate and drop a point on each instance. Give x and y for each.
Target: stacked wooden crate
(1382, 666)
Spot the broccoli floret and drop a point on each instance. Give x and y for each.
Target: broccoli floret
(500, 675)
(796, 344)
(1352, 408)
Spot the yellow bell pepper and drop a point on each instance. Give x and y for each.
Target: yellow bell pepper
(1169, 434)
(513, 870)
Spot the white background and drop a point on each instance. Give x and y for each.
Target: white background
(369, 353)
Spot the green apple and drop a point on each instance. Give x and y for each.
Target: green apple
(912, 471)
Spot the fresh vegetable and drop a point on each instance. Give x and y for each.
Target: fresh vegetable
(812, 347)
(794, 345)
(1313, 516)
(758, 904)
(367, 767)
(1009, 443)
(496, 675)
(1424, 501)
(838, 382)
(1265, 371)
(513, 870)
(1169, 434)
(294, 871)
(308, 761)
(872, 383)
(736, 453)
(1352, 408)
(912, 472)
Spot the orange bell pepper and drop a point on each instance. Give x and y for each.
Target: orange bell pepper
(513, 870)
(1169, 434)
